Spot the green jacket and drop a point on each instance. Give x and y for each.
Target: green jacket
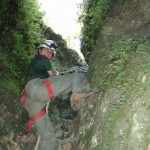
(38, 68)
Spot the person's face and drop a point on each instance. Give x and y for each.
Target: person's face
(49, 53)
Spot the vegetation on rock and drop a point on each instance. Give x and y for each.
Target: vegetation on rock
(93, 13)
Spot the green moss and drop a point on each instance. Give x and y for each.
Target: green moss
(123, 68)
(93, 13)
(115, 61)
(87, 138)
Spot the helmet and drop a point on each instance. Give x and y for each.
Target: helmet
(49, 44)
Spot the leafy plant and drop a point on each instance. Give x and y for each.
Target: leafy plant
(21, 28)
(93, 13)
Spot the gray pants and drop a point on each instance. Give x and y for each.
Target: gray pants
(37, 97)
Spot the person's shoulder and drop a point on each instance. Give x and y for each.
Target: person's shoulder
(41, 57)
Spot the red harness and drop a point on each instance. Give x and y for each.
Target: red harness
(43, 111)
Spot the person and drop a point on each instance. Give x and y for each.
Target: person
(43, 84)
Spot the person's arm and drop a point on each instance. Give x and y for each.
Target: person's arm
(53, 73)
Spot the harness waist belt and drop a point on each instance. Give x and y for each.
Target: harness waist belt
(48, 87)
(43, 111)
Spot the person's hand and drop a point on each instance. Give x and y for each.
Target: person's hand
(52, 73)
(57, 73)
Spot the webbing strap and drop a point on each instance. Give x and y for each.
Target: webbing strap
(22, 98)
(43, 111)
(49, 88)
(36, 116)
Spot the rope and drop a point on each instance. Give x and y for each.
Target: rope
(39, 137)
